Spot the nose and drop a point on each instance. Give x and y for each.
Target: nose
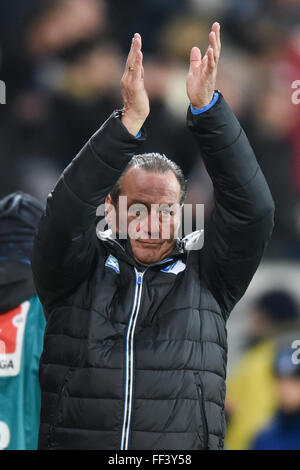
(154, 224)
(150, 225)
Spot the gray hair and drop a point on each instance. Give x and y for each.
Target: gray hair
(156, 162)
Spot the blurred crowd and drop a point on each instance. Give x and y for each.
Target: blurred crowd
(263, 386)
(62, 61)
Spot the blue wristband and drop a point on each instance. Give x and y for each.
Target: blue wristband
(207, 107)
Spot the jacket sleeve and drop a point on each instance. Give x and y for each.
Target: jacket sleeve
(65, 242)
(242, 220)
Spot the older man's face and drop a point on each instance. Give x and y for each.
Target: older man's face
(151, 215)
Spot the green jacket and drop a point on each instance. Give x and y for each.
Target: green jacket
(21, 342)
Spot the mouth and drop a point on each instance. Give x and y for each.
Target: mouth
(149, 242)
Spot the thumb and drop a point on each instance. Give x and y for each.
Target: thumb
(195, 59)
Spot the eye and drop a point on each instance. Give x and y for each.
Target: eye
(166, 211)
(138, 211)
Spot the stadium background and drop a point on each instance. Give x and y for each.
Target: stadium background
(62, 61)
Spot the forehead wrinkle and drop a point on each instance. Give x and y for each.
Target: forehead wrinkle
(149, 186)
(152, 193)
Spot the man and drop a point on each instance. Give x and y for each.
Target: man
(283, 430)
(250, 397)
(135, 349)
(22, 324)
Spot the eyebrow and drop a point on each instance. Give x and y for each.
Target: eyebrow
(147, 204)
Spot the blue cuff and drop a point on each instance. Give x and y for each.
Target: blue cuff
(138, 135)
(207, 107)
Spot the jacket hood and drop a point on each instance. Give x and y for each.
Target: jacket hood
(19, 216)
(16, 284)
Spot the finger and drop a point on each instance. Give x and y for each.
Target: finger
(137, 43)
(136, 60)
(204, 64)
(141, 67)
(216, 28)
(138, 36)
(137, 56)
(128, 64)
(135, 46)
(195, 59)
(214, 45)
(141, 64)
(211, 60)
(130, 54)
(137, 72)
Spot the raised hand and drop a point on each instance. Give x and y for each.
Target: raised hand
(201, 79)
(135, 98)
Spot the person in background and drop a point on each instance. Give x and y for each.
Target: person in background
(251, 399)
(22, 324)
(283, 431)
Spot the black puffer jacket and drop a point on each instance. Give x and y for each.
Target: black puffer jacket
(138, 360)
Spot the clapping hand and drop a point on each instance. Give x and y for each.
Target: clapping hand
(202, 75)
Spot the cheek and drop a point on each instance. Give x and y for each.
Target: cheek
(129, 219)
(176, 222)
(136, 227)
(170, 227)
(123, 220)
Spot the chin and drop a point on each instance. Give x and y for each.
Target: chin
(146, 255)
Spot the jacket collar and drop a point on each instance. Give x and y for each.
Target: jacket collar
(124, 250)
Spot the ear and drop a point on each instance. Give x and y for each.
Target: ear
(110, 213)
(108, 202)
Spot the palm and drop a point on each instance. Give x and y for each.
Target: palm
(136, 102)
(201, 79)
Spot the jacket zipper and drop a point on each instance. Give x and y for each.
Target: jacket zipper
(129, 367)
(129, 359)
(130, 353)
(202, 410)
